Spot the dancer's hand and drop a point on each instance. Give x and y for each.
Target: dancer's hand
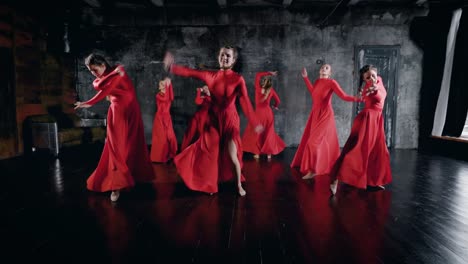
(81, 105)
(168, 61)
(205, 90)
(274, 73)
(259, 129)
(168, 81)
(304, 72)
(371, 90)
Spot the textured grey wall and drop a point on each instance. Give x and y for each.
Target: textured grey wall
(268, 40)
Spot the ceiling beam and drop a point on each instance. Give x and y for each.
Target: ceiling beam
(222, 3)
(93, 3)
(158, 3)
(287, 3)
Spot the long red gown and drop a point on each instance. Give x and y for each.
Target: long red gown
(319, 147)
(164, 141)
(205, 162)
(124, 158)
(197, 123)
(365, 160)
(267, 142)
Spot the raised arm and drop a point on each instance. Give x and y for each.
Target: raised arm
(309, 85)
(246, 104)
(189, 72)
(344, 96)
(275, 97)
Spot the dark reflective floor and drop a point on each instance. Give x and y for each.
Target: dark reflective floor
(48, 215)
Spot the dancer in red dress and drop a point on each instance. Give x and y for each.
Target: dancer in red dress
(365, 160)
(164, 141)
(198, 121)
(125, 157)
(319, 147)
(217, 154)
(267, 142)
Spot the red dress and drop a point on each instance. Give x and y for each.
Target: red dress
(319, 147)
(124, 158)
(364, 159)
(205, 162)
(267, 142)
(197, 123)
(164, 141)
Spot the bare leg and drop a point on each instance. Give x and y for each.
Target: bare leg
(115, 195)
(269, 156)
(256, 156)
(381, 187)
(309, 175)
(233, 154)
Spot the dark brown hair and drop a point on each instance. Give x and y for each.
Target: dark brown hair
(96, 59)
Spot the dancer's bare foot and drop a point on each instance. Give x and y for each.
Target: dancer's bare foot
(269, 157)
(333, 187)
(256, 156)
(381, 187)
(115, 196)
(308, 176)
(241, 190)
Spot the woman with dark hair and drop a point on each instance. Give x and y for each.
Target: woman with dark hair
(365, 160)
(197, 123)
(164, 141)
(217, 155)
(319, 147)
(124, 159)
(267, 142)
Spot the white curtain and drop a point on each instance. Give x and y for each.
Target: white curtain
(441, 109)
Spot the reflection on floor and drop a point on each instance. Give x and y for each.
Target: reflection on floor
(48, 215)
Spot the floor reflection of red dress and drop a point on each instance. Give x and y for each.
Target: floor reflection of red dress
(193, 224)
(352, 223)
(363, 216)
(117, 229)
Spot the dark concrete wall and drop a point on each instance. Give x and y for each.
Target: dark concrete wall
(269, 39)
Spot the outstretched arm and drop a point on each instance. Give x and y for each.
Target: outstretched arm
(344, 96)
(170, 66)
(309, 85)
(105, 87)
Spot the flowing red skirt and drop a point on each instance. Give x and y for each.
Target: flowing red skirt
(164, 141)
(319, 147)
(125, 157)
(206, 162)
(364, 160)
(268, 142)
